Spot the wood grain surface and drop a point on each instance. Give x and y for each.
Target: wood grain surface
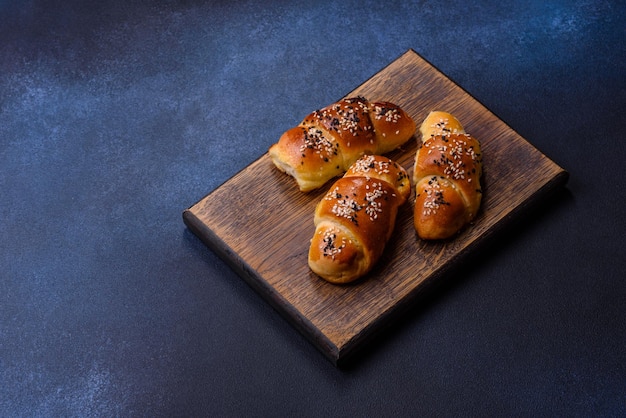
(261, 224)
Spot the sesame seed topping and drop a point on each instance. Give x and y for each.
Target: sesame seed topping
(345, 115)
(434, 197)
(390, 114)
(315, 140)
(441, 127)
(348, 207)
(451, 155)
(331, 247)
(368, 162)
(373, 205)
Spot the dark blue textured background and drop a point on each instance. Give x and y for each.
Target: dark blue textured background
(117, 115)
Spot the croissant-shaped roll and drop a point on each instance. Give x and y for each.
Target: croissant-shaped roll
(329, 140)
(356, 217)
(447, 173)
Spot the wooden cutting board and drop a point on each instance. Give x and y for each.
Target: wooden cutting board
(261, 224)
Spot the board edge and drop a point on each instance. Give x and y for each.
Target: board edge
(374, 329)
(267, 293)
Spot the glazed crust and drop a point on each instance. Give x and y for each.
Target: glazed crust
(329, 140)
(356, 218)
(447, 174)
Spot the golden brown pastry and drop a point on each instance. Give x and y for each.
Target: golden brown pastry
(356, 217)
(329, 140)
(448, 168)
